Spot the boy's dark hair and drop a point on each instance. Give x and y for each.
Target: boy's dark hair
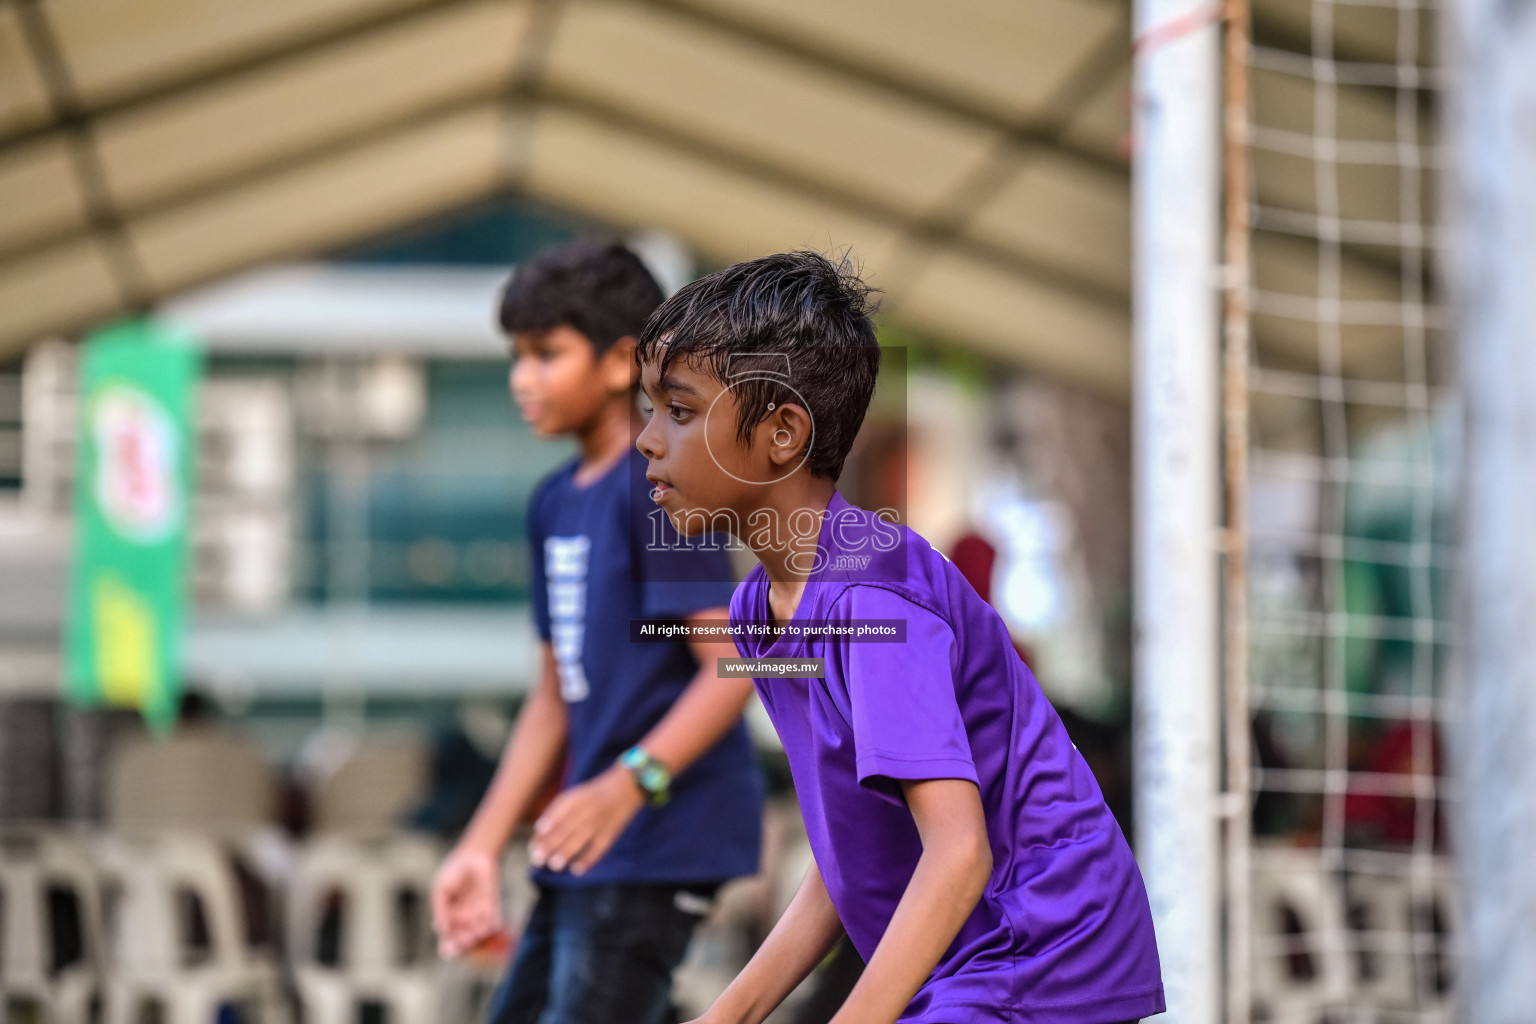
(795, 327)
(594, 285)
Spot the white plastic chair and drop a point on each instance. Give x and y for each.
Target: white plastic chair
(383, 778)
(1381, 922)
(47, 877)
(204, 778)
(373, 897)
(1437, 1003)
(1292, 883)
(178, 934)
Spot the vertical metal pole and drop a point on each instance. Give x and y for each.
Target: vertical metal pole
(1234, 413)
(1493, 147)
(348, 550)
(1176, 200)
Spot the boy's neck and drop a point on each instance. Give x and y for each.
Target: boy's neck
(604, 440)
(784, 501)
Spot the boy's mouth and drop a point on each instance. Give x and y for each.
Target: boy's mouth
(659, 488)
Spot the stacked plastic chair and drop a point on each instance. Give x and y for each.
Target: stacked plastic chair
(1372, 939)
(360, 929)
(29, 788)
(203, 778)
(50, 928)
(179, 935)
(359, 896)
(370, 789)
(182, 920)
(1300, 964)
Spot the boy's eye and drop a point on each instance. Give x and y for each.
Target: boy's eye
(679, 413)
(644, 402)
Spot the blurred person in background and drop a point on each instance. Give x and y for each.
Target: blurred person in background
(660, 800)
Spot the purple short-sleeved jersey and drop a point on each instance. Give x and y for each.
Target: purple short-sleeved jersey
(1063, 932)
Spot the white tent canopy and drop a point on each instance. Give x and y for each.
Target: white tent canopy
(973, 154)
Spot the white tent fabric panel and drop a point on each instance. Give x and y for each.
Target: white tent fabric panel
(1012, 318)
(116, 48)
(632, 181)
(1102, 124)
(972, 155)
(149, 146)
(1005, 58)
(38, 192)
(274, 112)
(23, 97)
(1063, 213)
(404, 177)
(784, 111)
(64, 284)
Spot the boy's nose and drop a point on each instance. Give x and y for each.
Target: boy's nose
(519, 377)
(648, 442)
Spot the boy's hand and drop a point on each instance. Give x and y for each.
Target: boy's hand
(466, 900)
(582, 823)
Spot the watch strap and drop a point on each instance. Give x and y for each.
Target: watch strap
(653, 778)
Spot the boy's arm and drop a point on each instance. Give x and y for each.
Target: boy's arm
(583, 822)
(704, 711)
(466, 903)
(533, 751)
(950, 877)
(796, 944)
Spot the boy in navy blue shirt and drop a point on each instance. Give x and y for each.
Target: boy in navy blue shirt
(660, 800)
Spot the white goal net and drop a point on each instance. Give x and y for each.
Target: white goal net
(1348, 897)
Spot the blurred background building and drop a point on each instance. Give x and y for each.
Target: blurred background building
(328, 194)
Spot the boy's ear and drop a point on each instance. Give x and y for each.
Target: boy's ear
(617, 367)
(786, 431)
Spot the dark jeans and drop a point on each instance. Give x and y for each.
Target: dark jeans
(599, 954)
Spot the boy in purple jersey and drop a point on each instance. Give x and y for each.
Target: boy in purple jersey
(959, 838)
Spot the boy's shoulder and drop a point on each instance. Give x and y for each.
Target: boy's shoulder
(906, 580)
(870, 564)
(554, 478)
(742, 596)
(869, 554)
(547, 486)
(624, 483)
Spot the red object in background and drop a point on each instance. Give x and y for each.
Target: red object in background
(1393, 819)
(975, 557)
(493, 951)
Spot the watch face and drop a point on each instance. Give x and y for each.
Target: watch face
(654, 778)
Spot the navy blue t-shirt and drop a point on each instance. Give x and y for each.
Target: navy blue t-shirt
(585, 591)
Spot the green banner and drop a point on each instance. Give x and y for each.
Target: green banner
(133, 487)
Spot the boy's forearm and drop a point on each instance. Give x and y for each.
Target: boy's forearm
(705, 710)
(532, 753)
(799, 940)
(703, 713)
(949, 879)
